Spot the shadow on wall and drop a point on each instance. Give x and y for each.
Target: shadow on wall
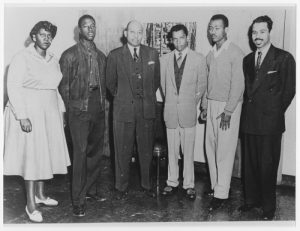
(251, 43)
(76, 34)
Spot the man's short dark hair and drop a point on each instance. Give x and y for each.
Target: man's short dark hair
(264, 18)
(179, 27)
(80, 20)
(221, 17)
(47, 26)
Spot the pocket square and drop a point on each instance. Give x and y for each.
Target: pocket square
(270, 72)
(151, 62)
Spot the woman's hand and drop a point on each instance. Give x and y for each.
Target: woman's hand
(26, 125)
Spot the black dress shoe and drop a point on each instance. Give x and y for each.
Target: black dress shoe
(94, 197)
(209, 193)
(121, 195)
(216, 203)
(190, 193)
(169, 190)
(248, 207)
(149, 193)
(78, 210)
(267, 216)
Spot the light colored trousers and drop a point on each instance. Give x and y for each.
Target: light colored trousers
(220, 147)
(185, 137)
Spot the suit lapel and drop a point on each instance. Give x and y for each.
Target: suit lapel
(187, 67)
(171, 69)
(127, 64)
(265, 66)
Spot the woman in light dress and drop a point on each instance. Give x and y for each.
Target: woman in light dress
(34, 140)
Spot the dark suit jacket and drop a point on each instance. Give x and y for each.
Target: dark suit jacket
(267, 95)
(119, 82)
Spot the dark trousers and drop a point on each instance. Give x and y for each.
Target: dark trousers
(87, 132)
(261, 160)
(125, 134)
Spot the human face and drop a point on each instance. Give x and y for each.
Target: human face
(134, 34)
(42, 39)
(260, 34)
(217, 31)
(179, 39)
(88, 29)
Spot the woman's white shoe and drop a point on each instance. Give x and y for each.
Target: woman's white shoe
(48, 201)
(35, 216)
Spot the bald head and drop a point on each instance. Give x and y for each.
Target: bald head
(134, 33)
(134, 24)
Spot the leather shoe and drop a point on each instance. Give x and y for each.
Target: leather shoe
(94, 197)
(267, 216)
(78, 211)
(209, 193)
(149, 193)
(169, 190)
(216, 203)
(190, 193)
(248, 207)
(35, 216)
(48, 201)
(121, 195)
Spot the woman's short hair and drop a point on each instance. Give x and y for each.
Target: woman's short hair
(47, 26)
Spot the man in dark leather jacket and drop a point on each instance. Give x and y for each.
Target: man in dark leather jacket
(83, 92)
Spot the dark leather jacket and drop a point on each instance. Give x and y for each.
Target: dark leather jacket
(74, 87)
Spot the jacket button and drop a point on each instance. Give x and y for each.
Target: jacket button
(271, 89)
(250, 100)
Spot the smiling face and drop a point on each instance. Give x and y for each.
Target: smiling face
(134, 33)
(42, 39)
(217, 31)
(179, 39)
(88, 29)
(260, 34)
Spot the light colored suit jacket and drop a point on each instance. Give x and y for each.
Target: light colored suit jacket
(181, 109)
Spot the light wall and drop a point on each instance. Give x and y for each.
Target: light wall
(111, 22)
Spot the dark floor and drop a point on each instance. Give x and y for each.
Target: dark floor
(137, 207)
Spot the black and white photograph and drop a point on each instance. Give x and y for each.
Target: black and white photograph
(157, 114)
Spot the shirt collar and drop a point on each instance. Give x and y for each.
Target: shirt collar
(87, 45)
(131, 49)
(264, 50)
(183, 52)
(224, 46)
(33, 51)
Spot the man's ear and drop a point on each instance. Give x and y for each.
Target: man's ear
(34, 37)
(226, 30)
(125, 33)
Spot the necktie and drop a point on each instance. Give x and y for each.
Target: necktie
(258, 62)
(179, 59)
(135, 56)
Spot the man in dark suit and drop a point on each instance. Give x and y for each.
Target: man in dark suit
(132, 77)
(269, 89)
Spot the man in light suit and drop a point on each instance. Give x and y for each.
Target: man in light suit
(132, 77)
(270, 80)
(183, 81)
